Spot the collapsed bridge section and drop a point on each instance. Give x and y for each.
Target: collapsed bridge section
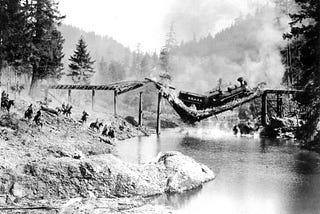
(191, 114)
(214, 103)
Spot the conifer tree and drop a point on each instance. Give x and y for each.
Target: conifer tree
(165, 55)
(45, 53)
(29, 38)
(81, 69)
(305, 36)
(13, 36)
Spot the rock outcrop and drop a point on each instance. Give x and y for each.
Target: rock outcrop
(107, 176)
(280, 127)
(103, 176)
(43, 169)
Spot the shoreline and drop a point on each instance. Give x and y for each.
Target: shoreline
(64, 165)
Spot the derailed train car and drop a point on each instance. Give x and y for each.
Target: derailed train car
(215, 98)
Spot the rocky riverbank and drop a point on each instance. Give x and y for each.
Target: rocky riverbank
(281, 128)
(63, 167)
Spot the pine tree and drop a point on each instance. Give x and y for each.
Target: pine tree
(171, 41)
(81, 69)
(166, 55)
(12, 24)
(46, 41)
(29, 38)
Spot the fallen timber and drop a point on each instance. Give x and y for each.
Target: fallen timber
(49, 110)
(192, 115)
(214, 103)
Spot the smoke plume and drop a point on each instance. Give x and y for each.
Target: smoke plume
(249, 46)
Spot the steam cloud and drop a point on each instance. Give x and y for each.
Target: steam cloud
(249, 47)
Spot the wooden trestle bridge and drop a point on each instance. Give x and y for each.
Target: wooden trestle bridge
(117, 88)
(191, 115)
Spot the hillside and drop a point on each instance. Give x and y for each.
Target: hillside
(99, 46)
(63, 167)
(242, 49)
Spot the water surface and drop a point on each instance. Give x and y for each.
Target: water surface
(253, 175)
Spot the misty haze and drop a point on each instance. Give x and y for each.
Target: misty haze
(160, 106)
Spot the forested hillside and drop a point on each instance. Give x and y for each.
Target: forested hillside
(302, 57)
(113, 61)
(99, 46)
(242, 49)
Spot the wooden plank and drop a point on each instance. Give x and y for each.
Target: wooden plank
(115, 102)
(264, 109)
(140, 109)
(130, 88)
(279, 105)
(158, 113)
(113, 86)
(282, 91)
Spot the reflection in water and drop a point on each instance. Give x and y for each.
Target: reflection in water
(158, 145)
(305, 196)
(263, 145)
(177, 201)
(253, 175)
(266, 143)
(139, 149)
(306, 163)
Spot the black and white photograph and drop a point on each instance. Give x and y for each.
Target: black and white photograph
(160, 107)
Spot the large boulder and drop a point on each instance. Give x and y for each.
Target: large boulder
(183, 173)
(106, 176)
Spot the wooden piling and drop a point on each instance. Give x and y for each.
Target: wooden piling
(158, 114)
(140, 108)
(93, 99)
(279, 105)
(16, 84)
(264, 109)
(115, 102)
(69, 96)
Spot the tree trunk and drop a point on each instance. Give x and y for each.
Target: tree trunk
(33, 91)
(1, 77)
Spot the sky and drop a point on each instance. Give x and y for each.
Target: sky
(146, 21)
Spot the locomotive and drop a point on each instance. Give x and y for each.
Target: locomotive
(216, 97)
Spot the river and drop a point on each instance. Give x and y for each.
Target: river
(253, 175)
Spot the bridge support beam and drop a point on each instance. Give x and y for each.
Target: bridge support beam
(93, 99)
(69, 96)
(158, 114)
(140, 108)
(279, 105)
(115, 96)
(264, 109)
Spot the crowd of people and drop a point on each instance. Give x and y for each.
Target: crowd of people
(107, 130)
(65, 110)
(34, 114)
(28, 114)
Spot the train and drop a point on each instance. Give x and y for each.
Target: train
(215, 98)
